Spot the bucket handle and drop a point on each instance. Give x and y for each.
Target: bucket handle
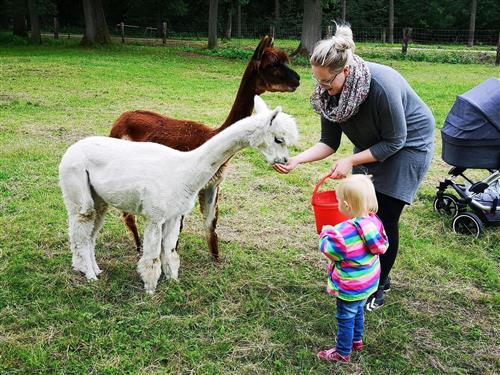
(321, 183)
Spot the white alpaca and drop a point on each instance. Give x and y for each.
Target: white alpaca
(156, 182)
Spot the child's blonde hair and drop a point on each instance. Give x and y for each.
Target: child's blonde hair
(356, 196)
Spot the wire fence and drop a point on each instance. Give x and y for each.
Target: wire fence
(293, 33)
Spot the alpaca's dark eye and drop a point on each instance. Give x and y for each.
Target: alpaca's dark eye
(279, 140)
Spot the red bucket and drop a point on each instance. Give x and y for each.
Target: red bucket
(326, 207)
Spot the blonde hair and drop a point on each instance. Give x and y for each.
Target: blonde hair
(335, 52)
(356, 196)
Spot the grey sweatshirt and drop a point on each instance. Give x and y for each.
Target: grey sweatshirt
(397, 127)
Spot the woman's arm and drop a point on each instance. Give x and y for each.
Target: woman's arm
(327, 145)
(392, 120)
(317, 152)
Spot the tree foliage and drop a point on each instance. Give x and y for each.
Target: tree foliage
(192, 15)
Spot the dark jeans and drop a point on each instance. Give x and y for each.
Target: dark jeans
(389, 212)
(351, 324)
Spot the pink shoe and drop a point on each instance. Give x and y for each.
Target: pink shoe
(333, 356)
(357, 346)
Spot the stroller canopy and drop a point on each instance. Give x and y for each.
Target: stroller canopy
(471, 132)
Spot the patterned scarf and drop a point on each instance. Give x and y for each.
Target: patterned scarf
(353, 93)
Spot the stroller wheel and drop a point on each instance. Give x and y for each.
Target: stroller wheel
(446, 205)
(469, 224)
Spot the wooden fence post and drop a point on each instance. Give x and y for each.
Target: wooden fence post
(329, 31)
(497, 61)
(406, 38)
(164, 32)
(122, 30)
(272, 31)
(56, 28)
(383, 35)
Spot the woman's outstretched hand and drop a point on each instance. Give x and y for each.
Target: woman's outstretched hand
(341, 168)
(288, 167)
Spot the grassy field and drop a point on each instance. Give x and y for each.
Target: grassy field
(264, 309)
(242, 48)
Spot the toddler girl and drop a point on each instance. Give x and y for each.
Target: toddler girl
(352, 248)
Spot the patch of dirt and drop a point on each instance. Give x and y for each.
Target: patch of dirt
(56, 133)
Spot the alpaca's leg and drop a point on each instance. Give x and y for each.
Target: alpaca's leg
(170, 260)
(77, 262)
(210, 210)
(100, 209)
(149, 265)
(80, 234)
(79, 202)
(131, 225)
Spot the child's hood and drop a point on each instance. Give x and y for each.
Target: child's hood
(365, 225)
(371, 231)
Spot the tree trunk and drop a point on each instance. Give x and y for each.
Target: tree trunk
(160, 18)
(35, 37)
(212, 24)
(229, 22)
(276, 10)
(238, 19)
(472, 23)
(391, 21)
(20, 28)
(96, 28)
(343, 10)
(56, 28)
(311, 27)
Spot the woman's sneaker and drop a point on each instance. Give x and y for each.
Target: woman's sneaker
(375, 301)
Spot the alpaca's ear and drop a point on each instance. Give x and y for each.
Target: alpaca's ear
(260, 104)
(264, 43)
(274, 113)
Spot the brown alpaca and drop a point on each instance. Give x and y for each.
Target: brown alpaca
(266, 71)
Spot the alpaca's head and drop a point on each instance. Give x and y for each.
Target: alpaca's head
(271, 68)
(277, 132)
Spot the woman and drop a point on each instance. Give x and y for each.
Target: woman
(391, 128)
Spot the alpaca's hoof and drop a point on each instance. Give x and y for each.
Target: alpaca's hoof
(149, 288)
(80, 267)
(91, 278)
(166, 272)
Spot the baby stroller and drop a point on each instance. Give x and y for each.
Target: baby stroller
(471, 140)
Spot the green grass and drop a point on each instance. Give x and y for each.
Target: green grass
(264, 309)
(438, 53)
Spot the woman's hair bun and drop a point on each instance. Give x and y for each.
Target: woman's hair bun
(336, 51)
(344, 39)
